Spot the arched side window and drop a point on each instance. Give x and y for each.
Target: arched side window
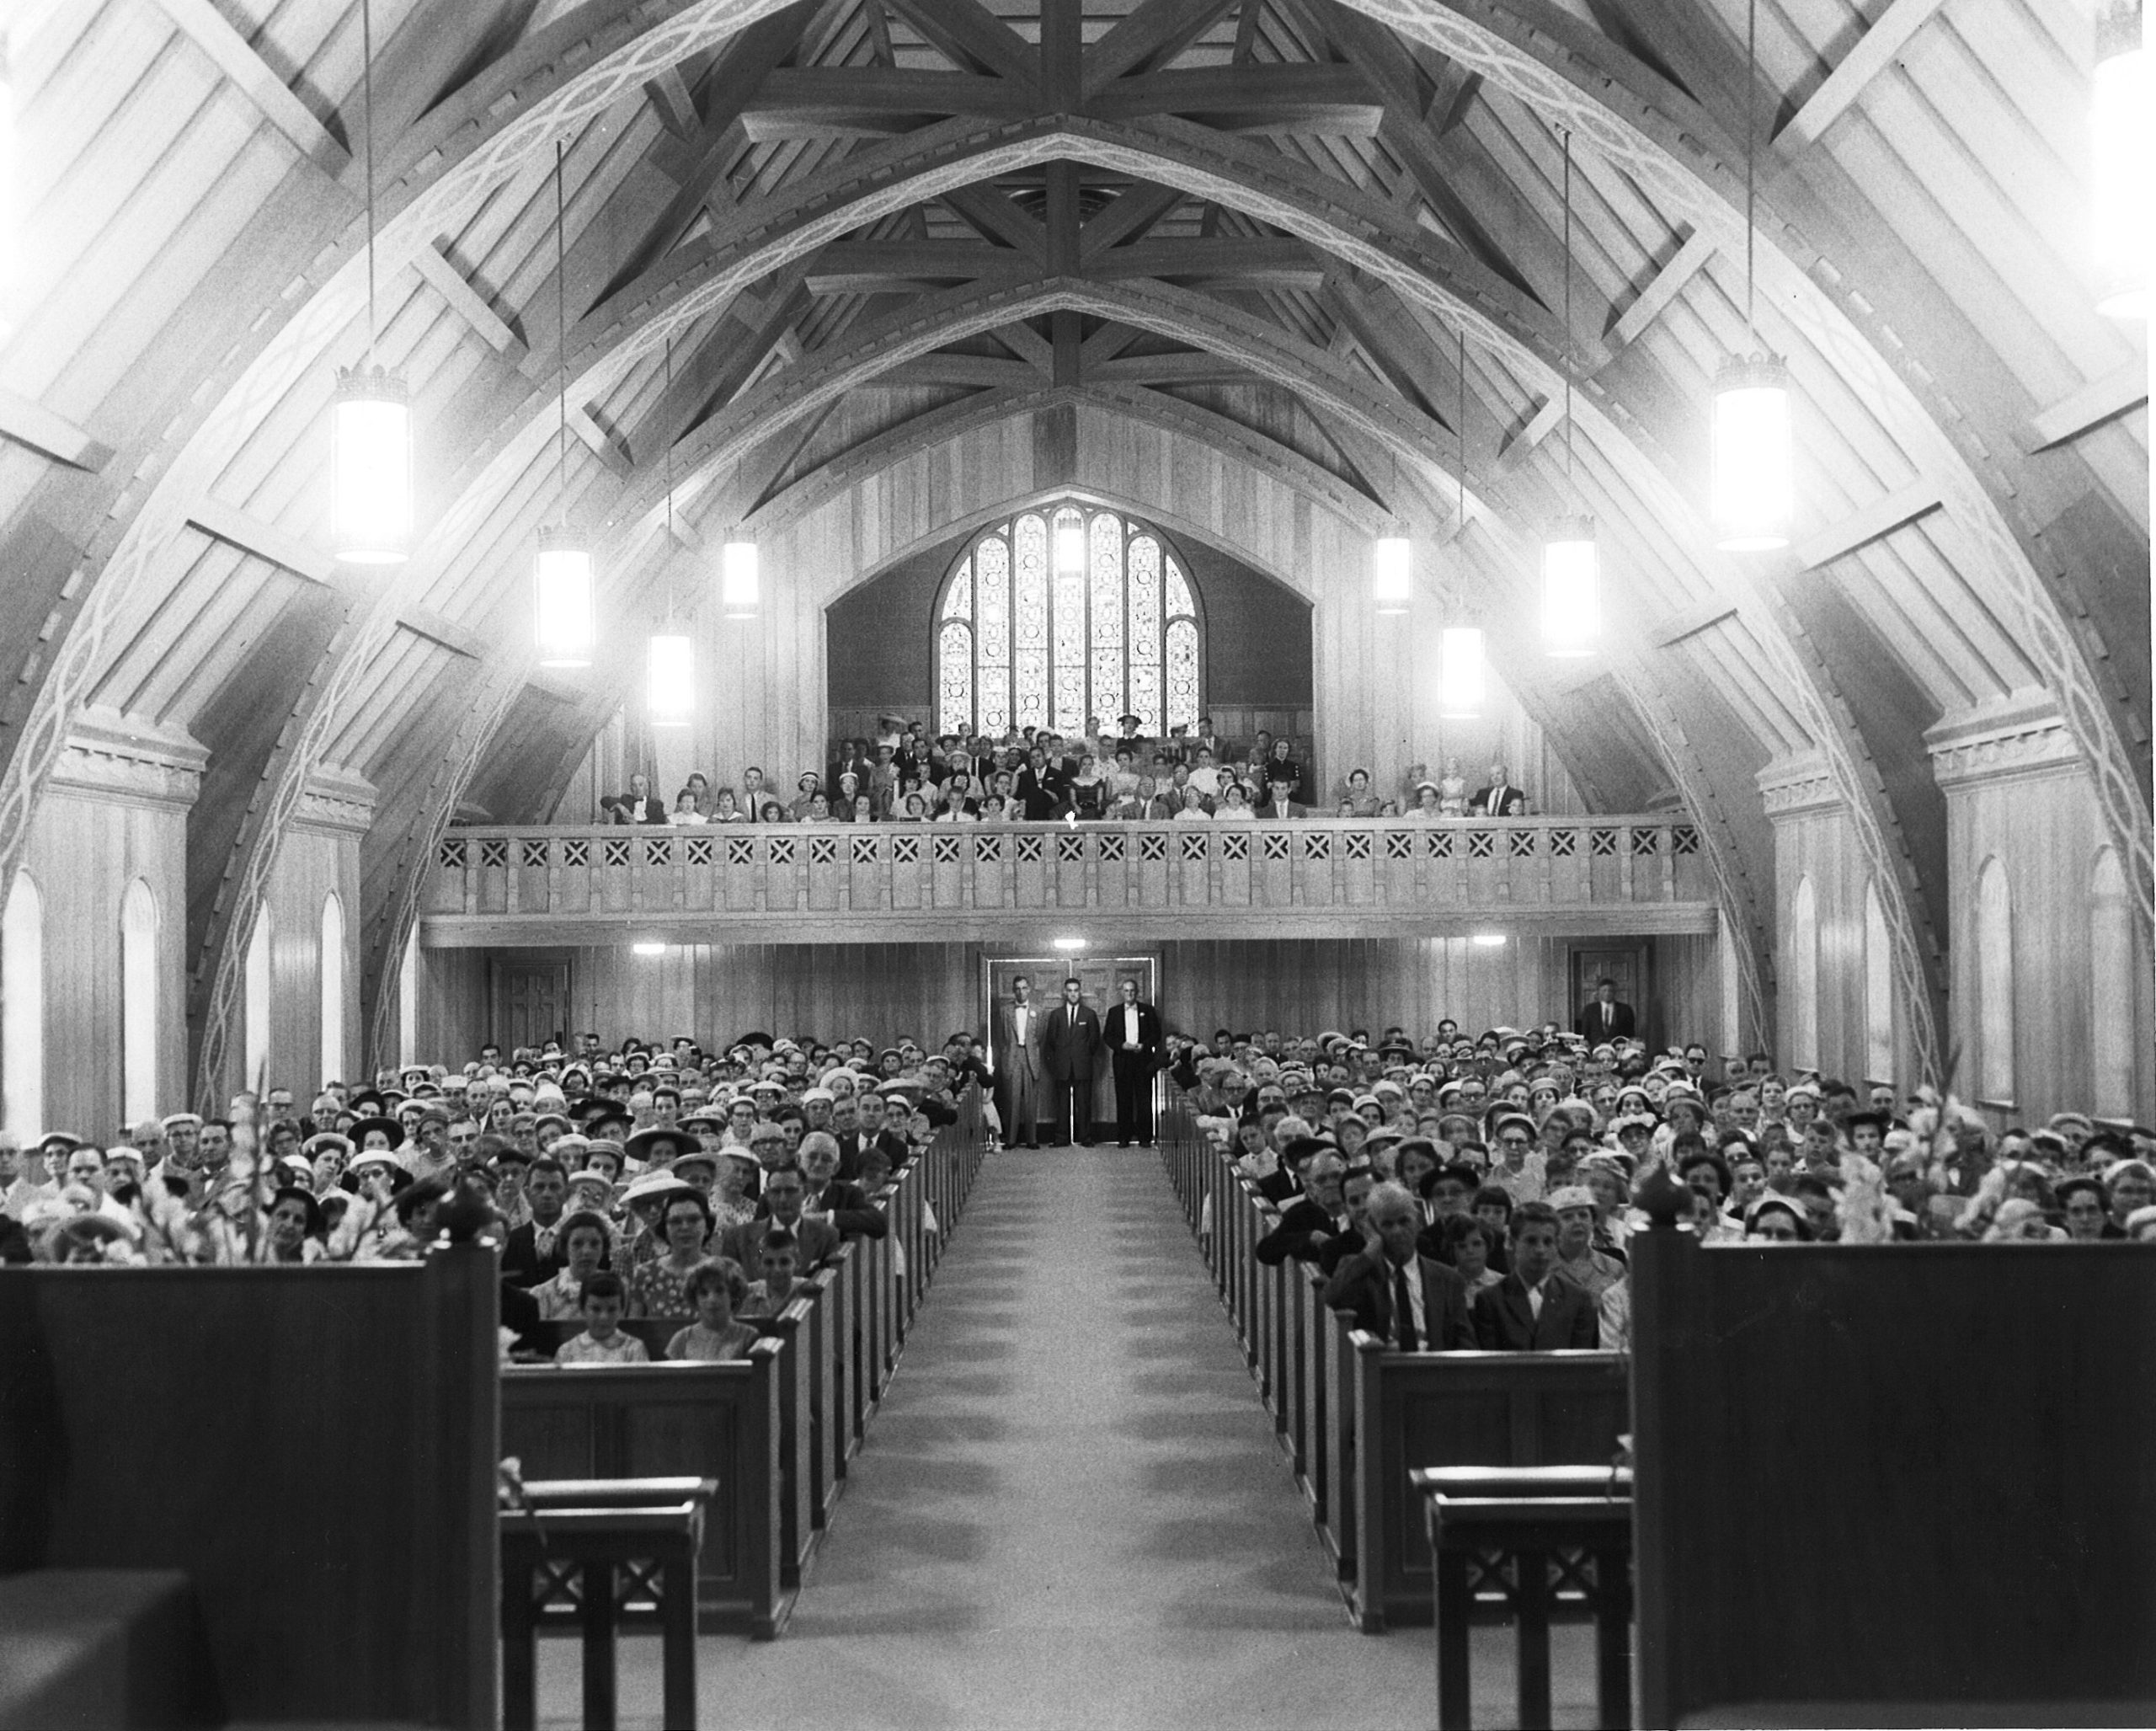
(332, 988)
(138, 1003)
(2110, 989)
(1994, 985)
(407, 999)
(1878, 990)
(257, 1008)
(1063, 616)
(1803, 976)
(21, 1008)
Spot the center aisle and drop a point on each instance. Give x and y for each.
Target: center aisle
(1070, 1511)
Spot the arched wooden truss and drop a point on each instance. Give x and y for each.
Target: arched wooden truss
(1266, 201)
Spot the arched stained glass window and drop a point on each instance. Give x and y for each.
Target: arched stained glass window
(1064, 616)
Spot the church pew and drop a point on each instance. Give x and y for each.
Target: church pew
(724, 1422)
(1455, 1409)
(1895, 1483)
(313, 1448)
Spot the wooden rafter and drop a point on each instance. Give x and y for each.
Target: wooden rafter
(1874, 51)
(53, 436)
(1151, 35)
(205, 26)
(970, 35)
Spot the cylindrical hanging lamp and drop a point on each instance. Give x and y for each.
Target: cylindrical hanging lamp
(739, 579)
(1462, 682)
(670, 681)
(562, 582)
(371, 427)
(1572, 588)
(1754, 455)
(2122, 115)
(1392, 573)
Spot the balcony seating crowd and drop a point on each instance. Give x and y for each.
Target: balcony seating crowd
(1034, 775)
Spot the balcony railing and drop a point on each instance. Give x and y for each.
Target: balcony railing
(848, 882)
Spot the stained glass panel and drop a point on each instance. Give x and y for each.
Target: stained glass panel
(1178, 590)
(1145, 697)
(1070, 710)
(1029, 625)
(995, 602)
(1182, 672)
(1144, 601)
(1106, 550)
(959, 603)
(954, 690)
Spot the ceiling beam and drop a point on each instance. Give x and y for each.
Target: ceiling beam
(1689, 622)
(2085, 410)
(1874, 52)
(264, 540)
(849, 267)
(815, 102)
(1030, 346)
(994, 215)
(1333, 99)
(1198, 368)
(671, 100)
(468, 303)
(1544, 421)
(446, 632)
(1883, 516)
(985, 370)
(970, 34)
(1238, 263)
(1136, 209)
(50, 435)
(205, 26)
(1150, 34)
(1663, 287)
(600, 443)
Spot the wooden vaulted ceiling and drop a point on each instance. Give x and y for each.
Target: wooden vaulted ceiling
(851, 228)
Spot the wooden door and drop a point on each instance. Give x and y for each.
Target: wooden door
(1100, 984)
(1627, 965)
(532, 1002)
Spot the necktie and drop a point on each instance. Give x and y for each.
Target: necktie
(1405, 1309)
(1535, 1301)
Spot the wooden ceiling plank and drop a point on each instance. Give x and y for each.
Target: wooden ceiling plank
(1689, 622)
(1903, 505)
(1663, 287)
(205, 26)
(1874, 51)
(468, 303)
(265, 541)
(2085, 410)
(52, 436)
(438, 629)
(1149, 36)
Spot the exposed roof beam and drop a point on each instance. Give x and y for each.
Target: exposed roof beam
(1136, 209)
(1110, 341)
(468, 303)
(970, 34)
(1334, 99)
(1544, 421)
(1237, 264)
(2085, 410)
(1670, 632)
(1178, 369)
(602, 444)
(1905, 505)
(1875, 51)
(1663, 287)
(820, 102)
(51, 435)
(671, 100)
(849, 267)
(1150, 34)
(205, 26)
(438, 629)
(969, 370)
(996, 217)
(1028, 345)
(265, 541)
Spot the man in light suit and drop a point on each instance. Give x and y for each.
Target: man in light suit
(1533, 1308)
(1499, 798)
(1372, 1283)
(1018, 1058)
(1071, 1047)
(1603, 1017)
(1132, 1034)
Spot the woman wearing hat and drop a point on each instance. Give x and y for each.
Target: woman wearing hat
(660, 1287)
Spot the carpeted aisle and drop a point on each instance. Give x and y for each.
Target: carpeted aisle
(1070, 1510)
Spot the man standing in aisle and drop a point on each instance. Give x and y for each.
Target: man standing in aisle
(1070, 1043)
(1018, 1056)
(1133, 1034)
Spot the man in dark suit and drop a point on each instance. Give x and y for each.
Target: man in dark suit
(1498, 798)
(1314, 1218)
(1280, 801)
(1132, 1037)
(1018, 1061)
(1408, 1302)
(1532, 1309)
(786, 1194)
(532, 1254)
(1070, 1046)
(1603, 1017)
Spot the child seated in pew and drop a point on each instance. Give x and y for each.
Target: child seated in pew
(603, 1342)
(781, 1261)
(716, 1288)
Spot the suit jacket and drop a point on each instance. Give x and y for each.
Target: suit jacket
(1008, 1047)
(1621, 1025)
(818, 1241)
(628, 809)
(522, 1265)
(1270, 808)
(1499, 800)
(1070, 1042)
(847, 1207)
(1504, 1323)
(1295, 1235)
(1043, 795)
(1113, 1032)
(1362, 1284)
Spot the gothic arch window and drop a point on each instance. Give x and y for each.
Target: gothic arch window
(138, 1002)
(1067, 614)
(257, 1008)
(21, 1008)
(1803, 976)
(2110, 988)
(1994, 985)
(1878, 990)
(332, 988)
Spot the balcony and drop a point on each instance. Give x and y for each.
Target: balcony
(1022, 883)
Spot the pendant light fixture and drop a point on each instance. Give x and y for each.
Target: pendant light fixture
(1392, 573)
(2123, 113)
(562, 582)
(1462, 681)
(1754, 448)
(740, 578)
(1572, 560)
(671, 674)
(370, 418)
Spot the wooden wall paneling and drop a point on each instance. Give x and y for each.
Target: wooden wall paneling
(1814, 839)
(455, 1010)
